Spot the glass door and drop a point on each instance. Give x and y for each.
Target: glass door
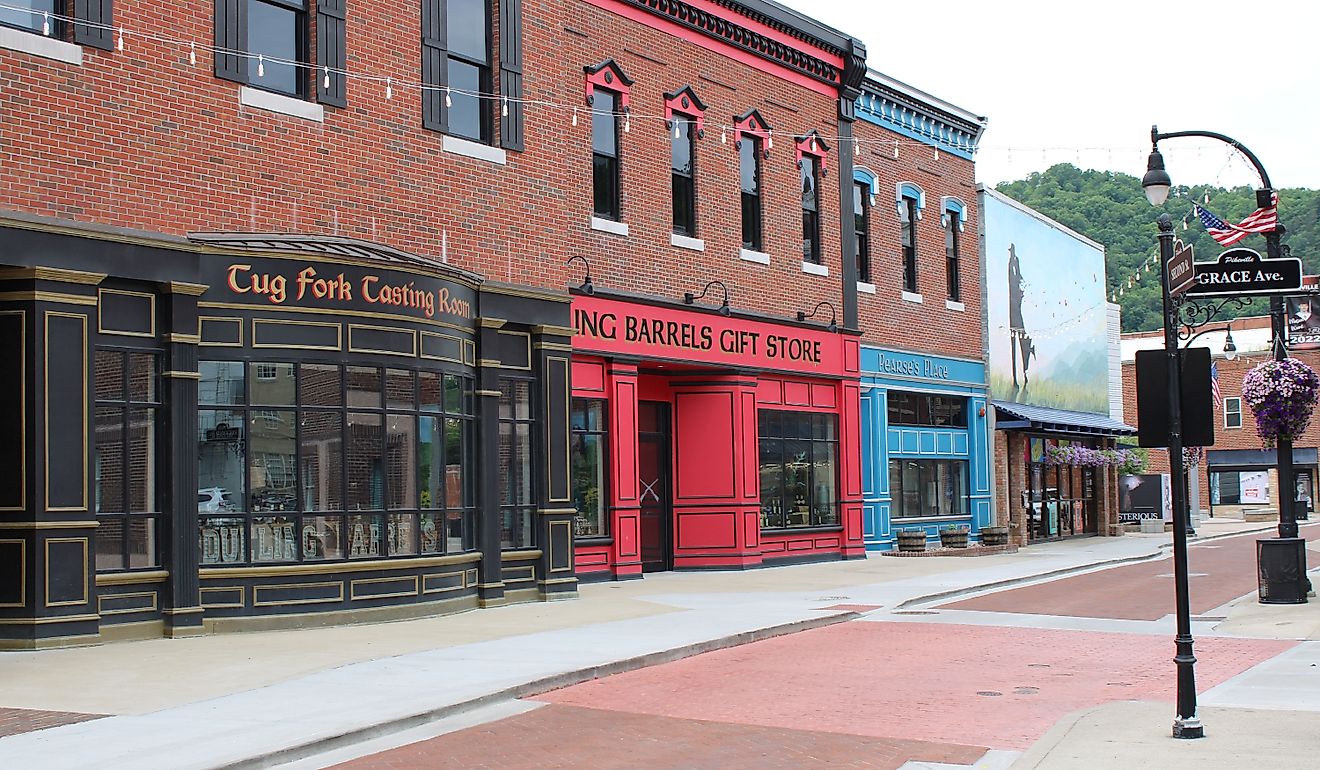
(657, 519)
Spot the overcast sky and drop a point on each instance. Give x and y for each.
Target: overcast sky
(1083, 82)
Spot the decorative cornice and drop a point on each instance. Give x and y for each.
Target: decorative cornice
(915, 114)
(755, 43)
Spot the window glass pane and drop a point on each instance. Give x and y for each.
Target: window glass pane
(400, 534)
(366, 471)
(110, 544)
(142, 377)
(363, 387)
(109, 375)
(466, 113)
(824, 507)
(807, 175)
(222, 540)
(221, 383)
(433, 533)
(110, 460)
(465, 28)
(453, 394)
(896, 488)
(321, 538)
(399, 389)
(141, 461)
(321, 461)
(458, 531)
(271, 383)
(588, 475)
(401, 449)
(749, 164)
(680, 147)
(428, 391)
(684, 203)
(274, 539)
(797, 481)
(604, 123)
(220, 470)
(457, 494)
(431, 465)
(13, 14)
(911, 488)
(142, 548)
(272, 475)
(273, 30)
(605, 186)
(364, 534)
(516, 528)
(320, 385)
(772, 483)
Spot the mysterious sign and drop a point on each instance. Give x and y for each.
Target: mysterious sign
(610, 326)
(1243, 272)
(1181, 270)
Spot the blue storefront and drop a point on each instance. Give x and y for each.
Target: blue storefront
(925, 448)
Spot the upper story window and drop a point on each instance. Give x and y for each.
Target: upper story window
(458, 66)
(32, 15)
(607, 95)
(749, 165)
(862, 230)
(1233, 412)
(953, 219)
(275, 34)
(907, 408)
(685, 114)
(910, 201)
(810, 153)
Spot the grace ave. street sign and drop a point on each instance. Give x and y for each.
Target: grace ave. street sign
(1240, 272)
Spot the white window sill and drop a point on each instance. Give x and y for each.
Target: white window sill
(39, 45)
(285, 105)
(910, 297)
(811, 268)
(759, 257)
(866, 288)
(609, 226)
(684, 242)
(951, 305)
(470, 149)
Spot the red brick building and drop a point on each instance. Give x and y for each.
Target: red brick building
(1237, 472)
(367, 310)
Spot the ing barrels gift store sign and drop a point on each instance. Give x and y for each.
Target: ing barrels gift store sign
(647, 331)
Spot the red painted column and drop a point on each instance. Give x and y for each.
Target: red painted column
(716, 476)
(621, 387)
(850, 470)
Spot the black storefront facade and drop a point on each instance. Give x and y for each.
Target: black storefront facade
(248, 431)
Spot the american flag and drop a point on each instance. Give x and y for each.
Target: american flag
(1262, 220)
(1214, 385)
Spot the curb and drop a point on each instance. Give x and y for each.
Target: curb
(1207, 538)
(528, 689)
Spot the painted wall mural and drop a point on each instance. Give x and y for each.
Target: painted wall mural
(1045, 301)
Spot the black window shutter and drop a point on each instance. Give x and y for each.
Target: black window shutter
(434, 64)
(330, 52)
(94, 12)
(231, 34)
(511, 73)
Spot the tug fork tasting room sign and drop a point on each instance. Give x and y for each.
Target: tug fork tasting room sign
(647, 331)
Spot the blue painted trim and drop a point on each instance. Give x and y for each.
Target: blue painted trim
(923, 127)
(909, 190)
(952, 203)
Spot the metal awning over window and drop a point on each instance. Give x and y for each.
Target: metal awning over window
(1011, 416)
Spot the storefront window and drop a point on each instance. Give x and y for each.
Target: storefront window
(517, 503)
(922, 488)
(799, 462)
(127, 508)
(921, 409)
(587, 455)
(311, 462)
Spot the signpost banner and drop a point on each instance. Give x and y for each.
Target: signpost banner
(1181, 268)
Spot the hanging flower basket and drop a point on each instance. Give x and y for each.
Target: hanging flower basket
(1282, 395)
(1126, 461)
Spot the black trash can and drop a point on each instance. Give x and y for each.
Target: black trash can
(1281, 565)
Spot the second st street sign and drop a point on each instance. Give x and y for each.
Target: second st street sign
(1243, 272)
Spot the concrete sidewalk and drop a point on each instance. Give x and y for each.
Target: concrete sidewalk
(255, 699)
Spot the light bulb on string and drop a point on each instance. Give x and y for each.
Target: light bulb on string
(261, 65)
(120, 43)
(325, 79)
(627, 122)
(504, 107)
(449, 102)
(575, 116)
(724, 134)
(389, 88)
(770, 140)
(45, 23)
(676, 132)
(192, 54)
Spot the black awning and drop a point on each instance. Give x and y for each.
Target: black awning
(1011, 416)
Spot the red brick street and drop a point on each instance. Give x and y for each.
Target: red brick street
(872, 693)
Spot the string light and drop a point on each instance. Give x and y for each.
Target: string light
(504, 107)
(192, 54)
(724, 135)
(120, 43)
(325, 81)
(575, 109)
(676, 134)
(627, 122)
(448, 101)
(261, 66)
(389, 89)
(45, 24)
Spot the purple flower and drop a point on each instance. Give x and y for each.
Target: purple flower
(1282, 395)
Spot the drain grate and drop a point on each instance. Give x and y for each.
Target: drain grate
(989, 693)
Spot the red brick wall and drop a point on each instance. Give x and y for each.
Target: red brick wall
(886, 318)
(141, 139)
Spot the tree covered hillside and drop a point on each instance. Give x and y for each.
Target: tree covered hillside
(1111, 209)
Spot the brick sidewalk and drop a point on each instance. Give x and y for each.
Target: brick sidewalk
(15, 721)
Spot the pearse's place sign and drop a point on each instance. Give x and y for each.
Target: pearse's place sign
(1240, 272)
(347, 287)
(610, 326)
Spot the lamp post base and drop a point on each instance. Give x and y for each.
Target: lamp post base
(1281, 566)
(1189, 727)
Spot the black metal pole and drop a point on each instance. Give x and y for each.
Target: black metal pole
(1187, 725)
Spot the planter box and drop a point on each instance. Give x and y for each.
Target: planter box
(955, 539)
(994, 536)
(912, 541)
